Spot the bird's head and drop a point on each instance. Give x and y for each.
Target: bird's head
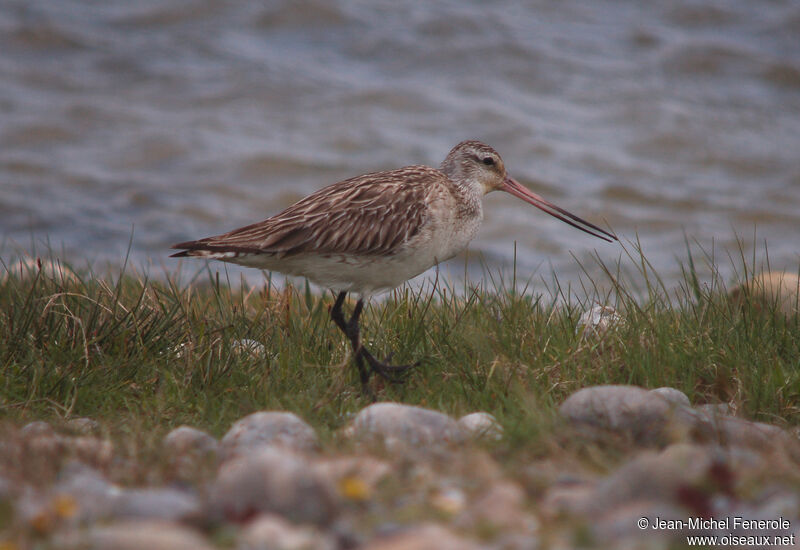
(479, 169)
(476, 164)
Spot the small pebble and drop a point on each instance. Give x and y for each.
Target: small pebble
(91, 450)
(648, 417)
(356, 477)
(713, 411)
(190, 453)
(268, 428)
(273, 480)
(37, 428)
(398, 425)
(673, 395)
(83, 426)
(28, 268)
(597, 320)
(481, 425)
(156, 504)
(269, 532)
(501, 506)
(771, 290)
(248, 346)
(133, 535)
(185, 439)
(449, 501)
(422, 537)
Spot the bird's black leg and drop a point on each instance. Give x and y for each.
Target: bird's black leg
(353, 332)
(385, 370)
(336, 312)
(355, 341)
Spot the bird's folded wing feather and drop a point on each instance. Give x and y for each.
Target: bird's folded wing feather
(374, 214)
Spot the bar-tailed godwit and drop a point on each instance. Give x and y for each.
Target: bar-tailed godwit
(373, 232)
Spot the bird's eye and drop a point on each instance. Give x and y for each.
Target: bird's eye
(488, 161)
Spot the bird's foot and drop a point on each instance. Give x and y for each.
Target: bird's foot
(391, 373)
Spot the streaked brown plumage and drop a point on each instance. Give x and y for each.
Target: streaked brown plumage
(374, 232)
(369, 215)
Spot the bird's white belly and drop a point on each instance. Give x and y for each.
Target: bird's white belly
(373, 274)
(365, 275)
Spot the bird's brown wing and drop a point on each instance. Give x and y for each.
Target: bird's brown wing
(373, 214)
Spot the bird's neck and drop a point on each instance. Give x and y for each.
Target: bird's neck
(467, 190)
(469, 197)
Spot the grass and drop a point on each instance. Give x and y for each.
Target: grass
(143, 356)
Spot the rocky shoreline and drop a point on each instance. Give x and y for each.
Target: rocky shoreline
(404, 477)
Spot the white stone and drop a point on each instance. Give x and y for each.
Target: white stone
(29, 267)
(185, 440)
(84, 426)
(597, 320)
(37, 428)
(481, 425)
(267, 428)
(677, 397)
(405, 425)
(777, 291)
(647, 416)
(248, 346)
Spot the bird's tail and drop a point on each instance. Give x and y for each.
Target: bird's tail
(195, 249)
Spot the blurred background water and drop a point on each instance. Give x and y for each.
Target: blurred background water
(147, 123)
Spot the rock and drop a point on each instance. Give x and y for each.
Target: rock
(684, 475)
(37, 428)
(648, 417)
(449, 500)
(622, 523)
(755, 435)
(712, 412)
(189, 452)
(777, 291)
(597, 320)
(92, 494)
(567, 499)
(185, 439)
(269, 532)
(397, 425)
(45, 451)
(28, 268)
(7, 489)
(260, 429)
(501, 507)
(43, 444)
(481, 425)
(273, 480)
(133, 535)
(356, 477)
(83, 495)
(90, 450)
(83, 426)
(423, 537)
(782, 502)
(246, 346)
(676, 397)
(156, 504)
(656, 476)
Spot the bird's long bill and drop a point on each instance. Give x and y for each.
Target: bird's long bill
(510, 185)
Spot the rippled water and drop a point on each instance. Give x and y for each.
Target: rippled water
(176, 119)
